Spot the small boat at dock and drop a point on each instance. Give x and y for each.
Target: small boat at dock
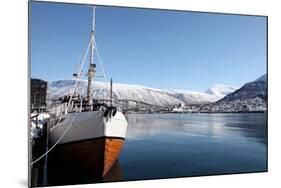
(87, 136)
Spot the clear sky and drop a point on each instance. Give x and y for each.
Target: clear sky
(155, 48)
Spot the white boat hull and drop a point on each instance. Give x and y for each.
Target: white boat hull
(88, 125)
(87, 142)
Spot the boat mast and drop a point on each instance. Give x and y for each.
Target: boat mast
(92, 66)
(111, 92)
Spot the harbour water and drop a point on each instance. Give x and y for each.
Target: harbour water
(176, 145)
(184, 145)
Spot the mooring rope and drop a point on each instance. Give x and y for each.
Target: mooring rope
(68, 104)
(65, 131)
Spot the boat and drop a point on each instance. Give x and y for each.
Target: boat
(87, 136)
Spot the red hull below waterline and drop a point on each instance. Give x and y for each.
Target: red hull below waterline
(93, 157)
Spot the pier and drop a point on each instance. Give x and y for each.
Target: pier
(39, 145)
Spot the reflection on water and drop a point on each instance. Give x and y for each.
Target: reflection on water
(180, 145)
(173, 145)
(208, 125)
(69, 176)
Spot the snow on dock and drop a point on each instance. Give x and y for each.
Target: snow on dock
(38, 142)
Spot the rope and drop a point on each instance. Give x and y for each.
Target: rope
(103, 72)
(68, 104)
(101, 64)
(76, 81)
(65, 131)
(79, 73)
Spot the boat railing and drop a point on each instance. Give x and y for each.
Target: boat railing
(80, 105)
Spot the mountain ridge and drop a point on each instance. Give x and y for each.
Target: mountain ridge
(251, 97)
(137, 92)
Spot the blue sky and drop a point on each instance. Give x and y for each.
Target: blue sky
(155, 48)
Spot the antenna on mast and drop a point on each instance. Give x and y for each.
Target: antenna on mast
(93, 35)
(111, 92)
(92, 66)
(94, 19)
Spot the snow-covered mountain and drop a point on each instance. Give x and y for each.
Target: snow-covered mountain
(256, 88)
(120, 91)
(211, 95)
(221, 90)
(145, 94)
(193, 97)
(250, 97)
(262, 78)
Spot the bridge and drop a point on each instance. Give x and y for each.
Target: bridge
(127, 105)
(136, 105)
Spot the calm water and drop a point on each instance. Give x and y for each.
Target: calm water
(172, 145)
(177, 145)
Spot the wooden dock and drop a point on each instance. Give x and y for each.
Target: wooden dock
(39, 148)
